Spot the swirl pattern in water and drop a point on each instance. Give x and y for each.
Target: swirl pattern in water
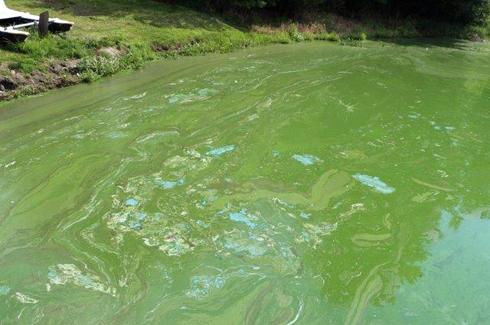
(299, 184)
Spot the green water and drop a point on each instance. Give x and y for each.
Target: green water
(298, 184)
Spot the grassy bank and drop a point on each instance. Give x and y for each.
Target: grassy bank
(112, 35)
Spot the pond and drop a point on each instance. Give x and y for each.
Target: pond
(292, 184)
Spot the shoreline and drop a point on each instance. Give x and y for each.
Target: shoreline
(52, 80)
(103, 44)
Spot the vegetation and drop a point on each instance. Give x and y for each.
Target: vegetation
(112, 35)
(461, 11)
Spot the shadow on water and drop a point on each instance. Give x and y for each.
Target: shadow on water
(428, 43)
(368, 261)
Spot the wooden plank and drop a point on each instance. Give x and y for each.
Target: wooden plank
(43, 24)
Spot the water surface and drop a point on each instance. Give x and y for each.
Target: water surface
(299, 184)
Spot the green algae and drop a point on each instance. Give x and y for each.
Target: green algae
(223, 189)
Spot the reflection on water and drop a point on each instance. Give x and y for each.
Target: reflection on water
(304, 184)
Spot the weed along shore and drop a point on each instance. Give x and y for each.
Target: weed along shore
(110, 36)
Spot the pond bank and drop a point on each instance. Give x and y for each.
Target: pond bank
(111, 36)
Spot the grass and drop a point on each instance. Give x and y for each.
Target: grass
(136, 27)
(137, 31)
